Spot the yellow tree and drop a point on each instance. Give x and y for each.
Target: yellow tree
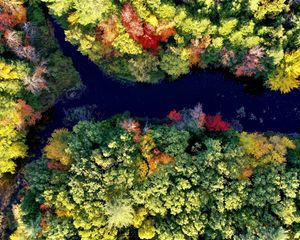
(284, 78)
(56, 147)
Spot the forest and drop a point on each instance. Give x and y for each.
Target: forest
(148, 40)
(190, 175)
(33, 75)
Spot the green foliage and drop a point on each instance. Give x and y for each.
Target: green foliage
(234, 27)
(125, 45)
(208, 188)
(175, 64)
(29, 84)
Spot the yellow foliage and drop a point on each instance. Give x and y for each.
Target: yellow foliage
(139, 216)
(261, 8)
(147, 145)
(227, 26)
(265, 150)
(56, 148)
(147, 230)
(12, 146)
(143, 169)
(152, 20)
(292, 63)
(61, 213)
(7, 71)
(284, 78)
(280, 146)
(255, 144)
(73, 18)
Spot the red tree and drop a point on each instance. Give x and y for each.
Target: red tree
(215, 123)
(143, 34)
(166, 33)
(174, 116)
(251, 63)
(132, 126)
(27, 115)
(7, 21)
(149, 40)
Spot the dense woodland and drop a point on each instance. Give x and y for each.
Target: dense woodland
(33, 74)
(188, 177)
(147, 40)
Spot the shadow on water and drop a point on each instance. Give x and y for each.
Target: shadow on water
(255, 108)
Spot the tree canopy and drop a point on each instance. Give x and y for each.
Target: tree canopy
(125, 179)
(257, 38)
(32, 76)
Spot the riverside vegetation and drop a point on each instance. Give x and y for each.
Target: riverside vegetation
(147, 40)
(188, 177)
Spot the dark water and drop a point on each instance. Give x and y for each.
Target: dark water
(218, 92)
(249, 106)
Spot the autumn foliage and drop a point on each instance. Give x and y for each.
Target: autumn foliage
(6, 21)
(152, 154)
(107, 31)
(165, 31)
(215, 123)
(174, 116)
(143, 33)
(56, 150)
(265, 150)
(200, 119)
(251, 63)
(198, 46)
(27, 115)
(132, 126)
(11, 16)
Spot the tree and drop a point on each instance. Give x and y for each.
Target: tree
(56, 147)
(193, 187)
(215, 123)
(175, 116)
(284, 78)
(251, 63)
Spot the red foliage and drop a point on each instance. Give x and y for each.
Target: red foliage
(156, 151)
(149, 40)
(6, 21)
(11, 16)
(166, 33)
(174, 116)
(132, 126)
(132, 22)
(44, 207)
(215, 123)
(143, 34)
(198, 46)
(27, 115)
(251, 63)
